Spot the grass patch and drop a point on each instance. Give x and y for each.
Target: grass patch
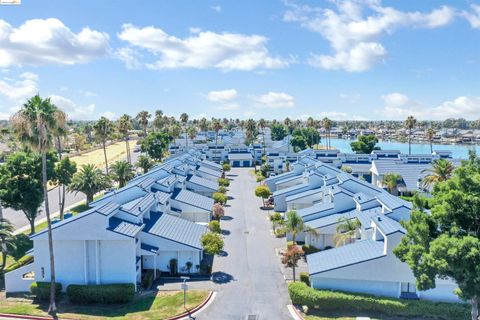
(159, 305)
(115, 152)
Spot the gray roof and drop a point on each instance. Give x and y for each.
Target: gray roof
(316, 208)
(124, 227)
(361, 197)
(299, 187)
(281, 176)
(359, 167)
(168, 180)
(350, 254)
(203, 182)
(303, 194)
(137, 206)
(194, 199)
(162, 197)
(365, 216)
(209, 171)
(388, 225)
(212, 164)
(331, 219)
(240, 156)
(393, 202)
(107, 208)
(177, 230)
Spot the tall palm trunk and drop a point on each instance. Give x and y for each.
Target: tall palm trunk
(105, 155)
(431, 146)
(127, 146)
(409, 141)
(52, 309)
(61, 194)
(186, 137)
(474, 302)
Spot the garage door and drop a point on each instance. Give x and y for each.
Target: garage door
(246, 163)
(236, 163)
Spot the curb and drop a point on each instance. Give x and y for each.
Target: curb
(294, 312)
(19, 316)
(188, 314)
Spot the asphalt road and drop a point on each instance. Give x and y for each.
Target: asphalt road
(17, 218)
(248, 276)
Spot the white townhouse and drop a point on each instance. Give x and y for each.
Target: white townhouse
(141, 226)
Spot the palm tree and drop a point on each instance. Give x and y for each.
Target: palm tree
(122, 172)
(262, 124)
(441, 170)
(217, 126)
(35, 125)
(7, 241)
(295, 225)
(144, 163)
(60, 133)
(90, 180)
(346, 231)
(103, 129)
(410, 124)
(124, 126)
(430, 135)
(250, 127)
(311, 124)
(184, 120)
(203, 124)
(391, 181)
(87, 130)
(192, 133)
(158, 121)
(142, 118)
(288, 123)
(175, 131)
(327, 124)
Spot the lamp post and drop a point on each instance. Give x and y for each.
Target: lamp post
(184, 288)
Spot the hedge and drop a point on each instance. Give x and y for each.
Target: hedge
(147, 279)
(102, 293)
(305, 278)
(20, 263)
(326, 300)
(41, 290)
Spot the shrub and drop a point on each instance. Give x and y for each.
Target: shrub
(214, 226)
(305, 278)
(173, 266)
(222, 189)
(260, 178)
(147, 279)
(223, 182)
(219, 198)
(226, 167)
(326, 301)
(20, 263)
(309, 249)
(41, 290)
(218, 211)
(212, 243)
(101, 293)
(205, 267)
(280, 232)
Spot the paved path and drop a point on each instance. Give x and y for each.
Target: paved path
(249, 280)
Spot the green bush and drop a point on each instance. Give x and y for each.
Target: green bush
(222, 189)
(147, 279)
(41, 290)
(280, 232)
(326, 300)
(307, 249)
(20, 263)
(220, 198)
(305, 278)
(223, 182)
(214, 226)
(102, 293)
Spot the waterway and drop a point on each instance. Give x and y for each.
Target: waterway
(458, 150)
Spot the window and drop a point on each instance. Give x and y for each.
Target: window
(408, 287)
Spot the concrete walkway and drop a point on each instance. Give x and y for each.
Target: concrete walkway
(247, 277)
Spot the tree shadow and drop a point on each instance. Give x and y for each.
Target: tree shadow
(230, 198)
(232, 175)
(220, 277)
(226, 218)
(223, 253)
(225, 232)
(266, 208)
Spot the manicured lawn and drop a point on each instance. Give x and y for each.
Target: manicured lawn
(115, 152)
(147, 307)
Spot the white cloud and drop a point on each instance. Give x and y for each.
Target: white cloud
(110, 115)
(399, 106)
(275, 100)
(229, 106)
(49, 41)
(222, 96)
(354, 28)
(74, 111)
(207, 49)
(17, 90)
(334, 115)
(216, 8)
(249, 114)
(473, 17)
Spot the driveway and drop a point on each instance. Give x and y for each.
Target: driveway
(248, 276)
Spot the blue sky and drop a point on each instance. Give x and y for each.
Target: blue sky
(354, 59)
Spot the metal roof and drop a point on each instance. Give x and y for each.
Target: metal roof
(107, 208)
(137, 206)
(331, 219)
(203, 182)
(388, 225)
(162, 197)
(209, 171)
(211, 164)
(303, 194)
(347, 255)
(392, 202)
(316, 208)
(298, 187)
(194, 199)
(176, 229)
(240, 156)
(124, 227)
(365, 216)
(281, 176)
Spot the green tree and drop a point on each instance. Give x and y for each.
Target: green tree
(212, 243)
(365, 144)
(298, 142)
(142, 118)
(158, 121)
(7, 241)
(430, 134)
(291, 257)
(184, 121)
(144, 162)
(226, 167)
(263, 192)
(122, 172)
(441, 170)
(124, 126)
(89, 180)
(214, 226)
(327, 125)
(217, 126)
(64, 171)
(103, 128)
(35, 124)
(346, 231)
(410, 123)
(262, 125)
(155, 145)
(391, 181)
(276, 219)
(294, 225)
(220, 198)
(277, 132)
(445, 243)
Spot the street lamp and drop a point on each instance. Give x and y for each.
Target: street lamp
(184, 288)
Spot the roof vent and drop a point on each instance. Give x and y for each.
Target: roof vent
(379, 218)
